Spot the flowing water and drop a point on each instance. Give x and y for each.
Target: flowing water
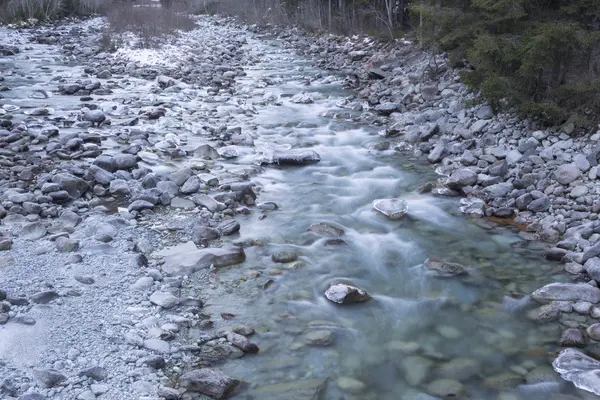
(416, 329)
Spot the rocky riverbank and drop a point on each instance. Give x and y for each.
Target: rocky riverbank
(125, 175)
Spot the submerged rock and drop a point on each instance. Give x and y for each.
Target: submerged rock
(208, 381)
(567, 292)
(325, 229)
(307, 389)
(444, 269)
(584, 371)
(345, 294)
(391, 208)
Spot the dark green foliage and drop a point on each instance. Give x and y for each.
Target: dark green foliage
(541, 56)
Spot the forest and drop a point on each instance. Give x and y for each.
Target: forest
(539, 58)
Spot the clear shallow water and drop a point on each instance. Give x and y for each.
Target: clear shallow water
(416, 329)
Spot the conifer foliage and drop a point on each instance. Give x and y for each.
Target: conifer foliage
(541, 56)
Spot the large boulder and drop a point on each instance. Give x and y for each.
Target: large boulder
(567, 292)
(584, 371)
(208, 381)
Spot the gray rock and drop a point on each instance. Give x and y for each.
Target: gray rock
(44, 297)
(229, 227)
(319, 338)
(168, 393)
(140, 205)
(593, 331)
(584, 371)
(66, 245)
(206, 152)
(96, 373)
(208, 202)
(157, 345)
(592, 267)
(95, 116)
(567, 292)
(85, 279)
(437, 154)
(498, 190)
(202, 234)
(461, 178)
(485, 112)
(100, 175)
(391, 208)
(73, 185)
(578, 191)
(441, 268)
(191, 185)
(188, 262)
(326, 229)
(164, 299)
(581, 162)
(49, 378)
(446, 388)
(346, 294)
(591, 252)
(300, 389)
(242, 342)
(32, 396)
(296, 157)
(33, 231)
(208, 381)
(539, 205)
(125, 161)
(572, 337)
(567, 173)
(119, 187)
(284, 256)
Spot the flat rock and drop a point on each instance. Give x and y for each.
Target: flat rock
(326, 229)
(319, 338)
(391, 208)
(444, 269)
(157, 345)
(164, 299)
(584, 371)
(307, 389)
(188, 262)
(208, 381)
(296, 157)
(44, 297)
(567, 292)
(346, 294)
(33, 231)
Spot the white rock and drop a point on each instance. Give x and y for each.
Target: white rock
(164, 299)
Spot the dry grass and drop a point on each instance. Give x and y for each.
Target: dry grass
(44, 10)
(149, 22)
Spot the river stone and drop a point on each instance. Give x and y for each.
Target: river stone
(325, 229)
(192, 185)
(567, 292)
(584, 371)
(485, 112)
(202, 234)
(96, 116)
(437, 154)
(222, 350)
(592, 267)
(284, 256)
(207, 201)
(164, 299)
(206, 152)
(567, 173)
(416, 369)
(506, 380)
(391, 208)
(44, 297)
(140, 205)
(33, 231)
(350, 385)
(345, 294)
(157, 345)
(229, 227)
(304, 389)
(208, 381)
(188, 262)
(460, 369)
(593, 331)
(242, 342)
(444, 269)
(319, 338)
(66, 245)
(296, 157)
(572, 337)
(75, 186)
(592, 251)
(446, 388)
(498, 190)
(49, 377)
(461, 178)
